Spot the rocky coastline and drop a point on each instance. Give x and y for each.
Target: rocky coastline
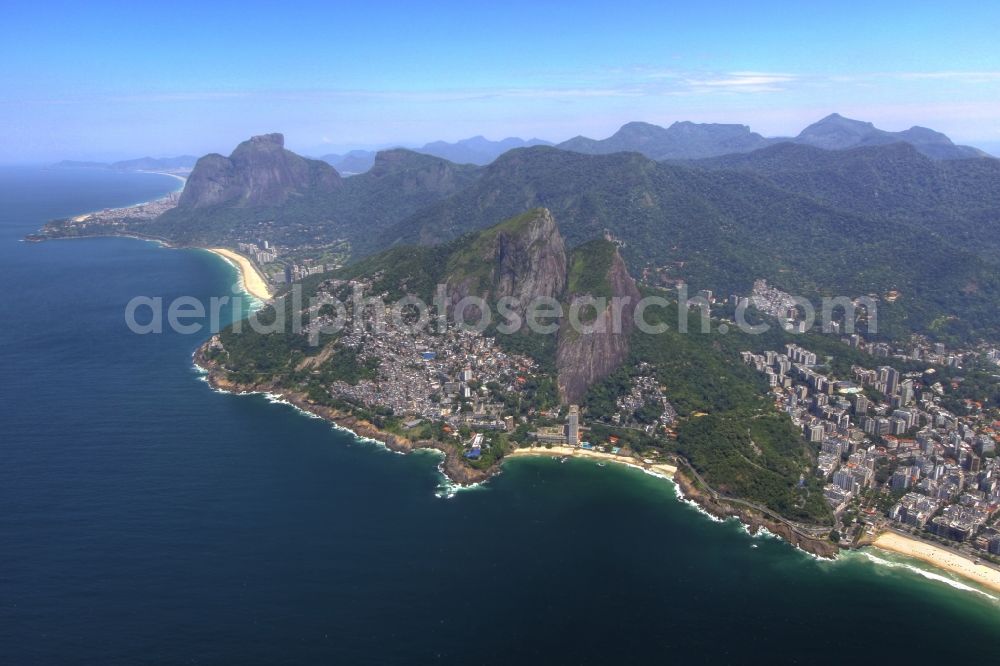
(754, 520)
(452, 466)
(458, 472)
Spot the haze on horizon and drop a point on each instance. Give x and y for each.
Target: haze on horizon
(114, 81)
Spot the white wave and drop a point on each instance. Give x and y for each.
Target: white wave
(818, 558)
(684, 499)
(930, 575)
(764, 533)
(658, 475)
(448, 488)
(361, 438)
(278, 399)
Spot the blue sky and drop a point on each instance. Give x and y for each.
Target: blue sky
(111, 80)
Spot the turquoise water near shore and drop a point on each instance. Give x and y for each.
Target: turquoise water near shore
(145, 517)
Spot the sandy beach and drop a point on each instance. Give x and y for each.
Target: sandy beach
(252, 280)
(941, 558)
(662, 469)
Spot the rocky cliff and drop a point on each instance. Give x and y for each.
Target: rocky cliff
(523, 258)
(596, 342)
(260, 172)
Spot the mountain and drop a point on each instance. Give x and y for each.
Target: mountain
(478, 149)
(399, 183)
(682, 140)
(264, 191)
(836, 132)
(687, 140)
(955, 200)
(521, 259)
(723, 229)
(812, 222)
(258, 172)
(354, 162)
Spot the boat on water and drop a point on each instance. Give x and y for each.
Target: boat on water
(601, 464)
(564, 459)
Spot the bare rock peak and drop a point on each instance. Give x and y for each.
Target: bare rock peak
(272, 139)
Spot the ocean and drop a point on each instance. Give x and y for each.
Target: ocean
(146, 518)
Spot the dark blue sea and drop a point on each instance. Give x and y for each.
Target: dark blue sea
(145, 518)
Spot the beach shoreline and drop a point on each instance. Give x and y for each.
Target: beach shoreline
(251, 279)
(939, 558)
(664, 470)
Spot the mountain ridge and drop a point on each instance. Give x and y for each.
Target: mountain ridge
(687, 140)
(835, 132)
(682, 140)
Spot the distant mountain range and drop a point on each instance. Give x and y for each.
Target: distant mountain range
(686, 140)
(836, 132)
(682, 140)
(180, 163)
(476, 150)
(354, 162)
(679, 142)
(868, 219)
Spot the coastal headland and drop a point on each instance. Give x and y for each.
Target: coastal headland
(452, 466)
(455, 468)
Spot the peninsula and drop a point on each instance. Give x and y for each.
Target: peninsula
(828, 435)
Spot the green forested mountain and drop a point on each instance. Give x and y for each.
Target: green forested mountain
(400, 183)
(721, 229)
(813, 222)
(957, 201)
